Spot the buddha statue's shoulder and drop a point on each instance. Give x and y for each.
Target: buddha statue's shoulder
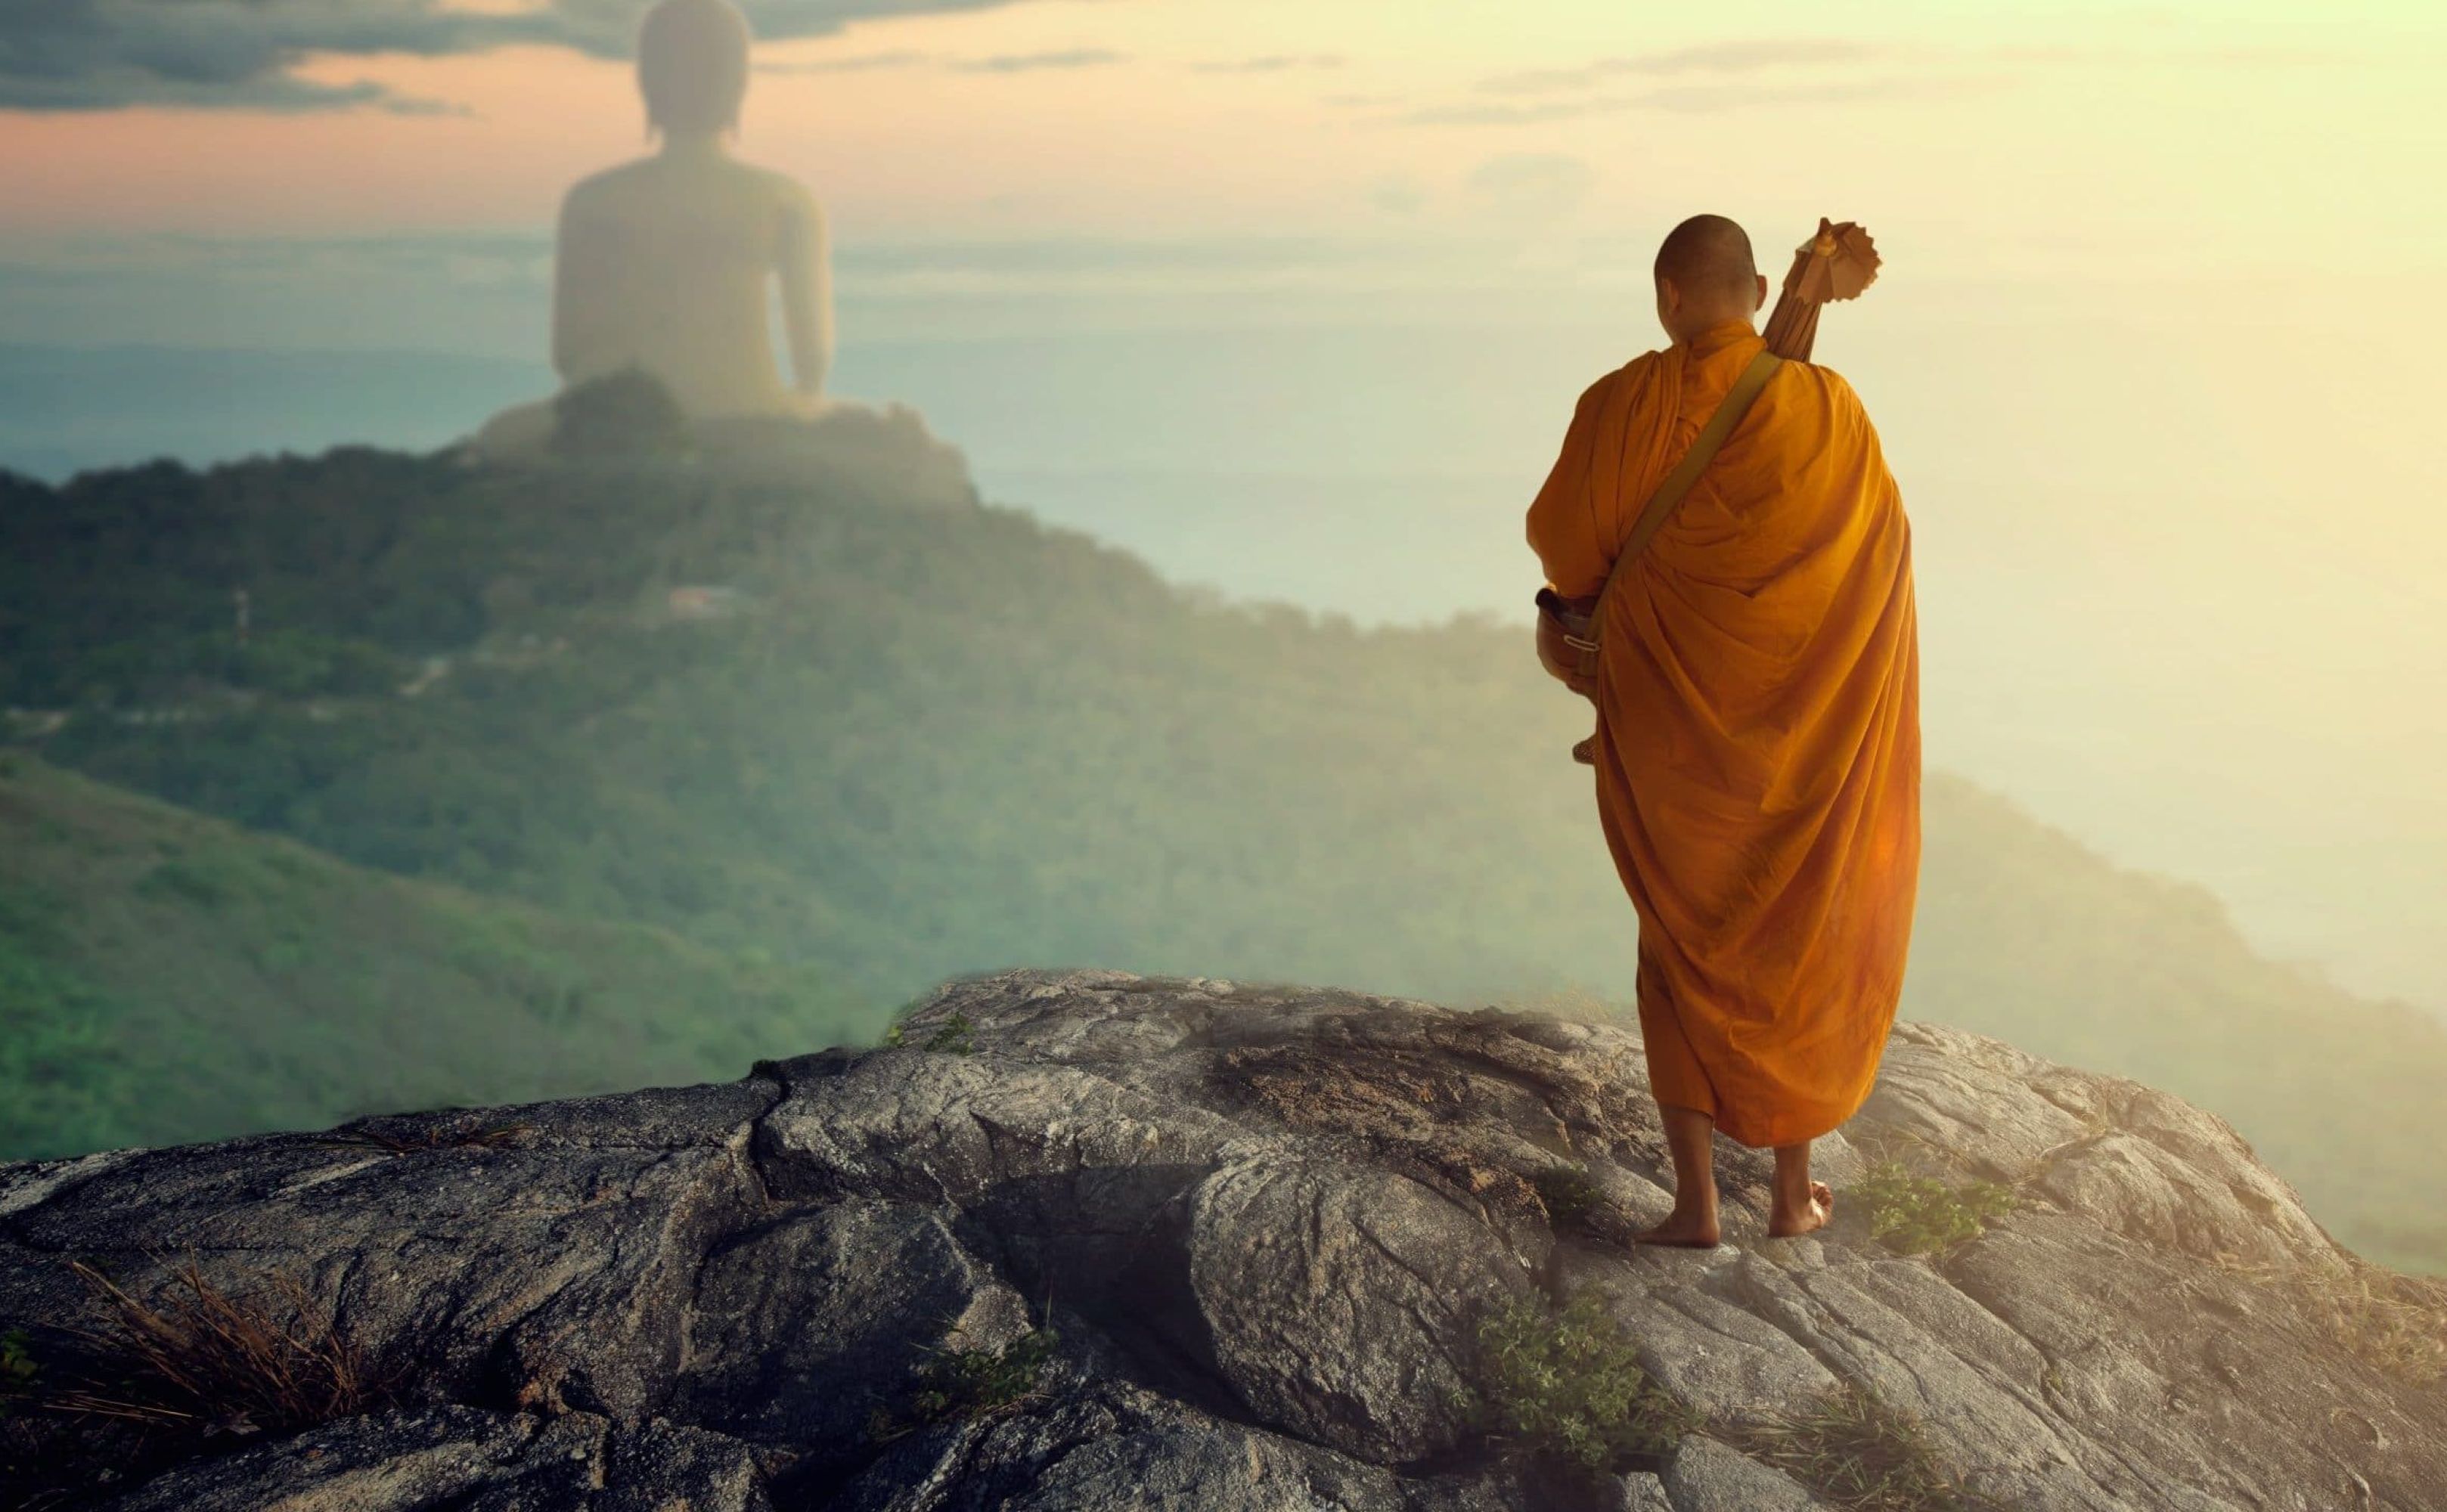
(778, 187)
(651, 181)
(774, 198)
(609, 188)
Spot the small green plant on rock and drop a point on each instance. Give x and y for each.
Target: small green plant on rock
(956, 1035)
(959, 1382)
(1565, 1381)
(1921, 1214)
(963, 1383)
(1861, 1455)
(954, 1038)
(1568, 1192)
(17, 1369)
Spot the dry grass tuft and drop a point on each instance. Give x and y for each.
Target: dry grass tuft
(432, 1137)
(1861, 1455)
(2395, 1324)
(2404, 1338)
(199, 1358)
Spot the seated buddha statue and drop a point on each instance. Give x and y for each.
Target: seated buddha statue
(669, 265)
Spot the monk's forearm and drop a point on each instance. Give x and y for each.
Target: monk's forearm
(1562, 534)
(1563, 524)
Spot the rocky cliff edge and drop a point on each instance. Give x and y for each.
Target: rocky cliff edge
(1090, 1240)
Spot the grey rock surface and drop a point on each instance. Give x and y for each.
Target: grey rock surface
(1706, 1476)
(1335, 1300)
(1111, 1445)
(472, 1459)
(800, 1328)
(1251, 1231)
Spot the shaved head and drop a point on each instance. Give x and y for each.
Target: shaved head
(1705, 276)
(1708, 256)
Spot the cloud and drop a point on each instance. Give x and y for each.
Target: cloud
(1035, 62)
(103, 54)
(1710, 99)
(858, 63)
(1531, 187)
(1398, 195)
(1274, 62)
(2234, 57)
(1737, 76)
(1489, 113)
(1732, 60)
(1718, 58)
(1003, 63)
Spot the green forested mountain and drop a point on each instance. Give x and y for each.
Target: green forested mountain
(2026, 934)
(919, 742)
(165, 977)
(794, 718)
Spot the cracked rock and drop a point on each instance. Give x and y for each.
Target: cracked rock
(1262, 1223)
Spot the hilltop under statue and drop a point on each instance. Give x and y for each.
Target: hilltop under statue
(669, 265)
(1758, 750)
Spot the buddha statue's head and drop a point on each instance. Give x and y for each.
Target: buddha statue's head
(692, 66)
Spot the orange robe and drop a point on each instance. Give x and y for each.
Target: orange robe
(1759, 727)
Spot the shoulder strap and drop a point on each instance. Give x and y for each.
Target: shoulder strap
(1653, 516)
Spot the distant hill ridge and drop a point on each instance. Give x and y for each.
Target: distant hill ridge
(167, 977)
(903, 744)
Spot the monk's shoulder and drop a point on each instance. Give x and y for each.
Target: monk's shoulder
(1816, 406)
(1823, 386)
(1621, 380)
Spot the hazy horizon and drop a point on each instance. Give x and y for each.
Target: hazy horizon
(2136, 688)
(1294, 299)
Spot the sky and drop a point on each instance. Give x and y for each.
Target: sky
(1294, 296)
(1430, 160)
(2234, 139)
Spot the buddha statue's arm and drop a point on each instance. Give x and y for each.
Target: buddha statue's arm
(804, 263)
(574, 277)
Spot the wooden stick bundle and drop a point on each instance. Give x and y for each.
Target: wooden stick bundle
(1837, 263)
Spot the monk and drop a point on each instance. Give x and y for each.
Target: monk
(1757, 750)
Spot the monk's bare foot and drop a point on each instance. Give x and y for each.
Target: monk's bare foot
(1792, 1222)
(1683, 1231)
